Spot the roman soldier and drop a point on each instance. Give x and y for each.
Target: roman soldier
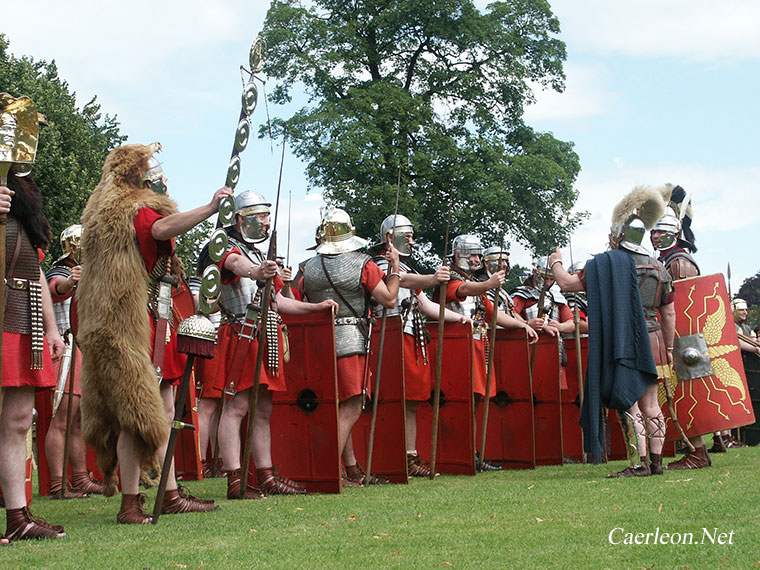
(466, 295)
(30, 337)
(672, 237)
(496, 258)
(577, 299)
(127, 328)
(340, 273)
(623, 281)
(62, 279)
(243, 268)
(413, 305)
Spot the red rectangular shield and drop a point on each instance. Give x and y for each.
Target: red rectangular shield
(305, 418)
(547, 408)
(720, 400)
(455, 452)
(389, 449)
(187, 454)
(509, 440)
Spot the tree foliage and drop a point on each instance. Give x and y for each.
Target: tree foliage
(72, 147)
(750, 292)
(434, 89)
(188, 245)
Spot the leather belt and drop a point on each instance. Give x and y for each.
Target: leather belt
(348, 320)
(17, 284)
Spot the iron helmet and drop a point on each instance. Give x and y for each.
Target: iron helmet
(70, 239)
(738, 305)
(400, 226)
(249, 205)
(633, 216)
(670, 225)
(155, 175)
(338, 233)
(492, 258)
(466, 245)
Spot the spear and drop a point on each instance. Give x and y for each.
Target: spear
(578, 355)
(376, 392)
(439, 349)
(253, 398)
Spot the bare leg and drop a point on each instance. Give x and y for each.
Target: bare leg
(411, 424)
(229, 429)
(167, 396)
(641, 432)
(129, 469)
(349, 412)
(261, 446)
(206, 409)
(649, 405)
(55, 440)
(15, 421)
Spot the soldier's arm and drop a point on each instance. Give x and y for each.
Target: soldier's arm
(509, 322)
(290, 306)
(387, 293)
(565, 281)
(55, 342)
(177, 224)
(475, 288)
(668, 322)
(430, 310)
(417, 281)
(244, 267)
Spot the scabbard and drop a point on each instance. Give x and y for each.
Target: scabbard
(159, 348)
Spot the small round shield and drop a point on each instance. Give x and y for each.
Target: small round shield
(217, 245)
(250, 98)
(242, 135)
(207, 306)
(256, 57)
(233, 172)
(227, 212)
(211, 283)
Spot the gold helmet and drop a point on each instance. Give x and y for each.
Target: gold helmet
(338, 233)
(70, 239)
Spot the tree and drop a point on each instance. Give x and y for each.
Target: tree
(437, 90)
(73, 145)
(750, 292)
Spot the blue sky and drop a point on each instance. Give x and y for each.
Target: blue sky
(656, 92)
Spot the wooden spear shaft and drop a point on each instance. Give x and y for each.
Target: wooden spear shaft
(439, 353)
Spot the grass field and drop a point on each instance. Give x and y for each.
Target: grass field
(553, 517)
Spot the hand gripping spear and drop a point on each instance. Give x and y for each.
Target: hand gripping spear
(253, 398)
(439, 350)
(376, 392)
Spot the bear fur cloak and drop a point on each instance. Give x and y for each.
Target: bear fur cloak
(120, 390)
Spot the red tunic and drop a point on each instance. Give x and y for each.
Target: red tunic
(351, 368)
(17, 359)
(418, 377)
(479, 371)
(227, 340)
(152, 250)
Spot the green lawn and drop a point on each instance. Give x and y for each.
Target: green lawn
(553, 517)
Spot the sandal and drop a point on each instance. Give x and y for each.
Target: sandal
(22, 525)
(131, 511)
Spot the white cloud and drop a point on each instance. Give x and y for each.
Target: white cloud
(696, 30)
(585, 95)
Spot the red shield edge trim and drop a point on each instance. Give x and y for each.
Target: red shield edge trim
(509, 440)
(305, 443)
(455, 453)
(389, 450)
(722, 400)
